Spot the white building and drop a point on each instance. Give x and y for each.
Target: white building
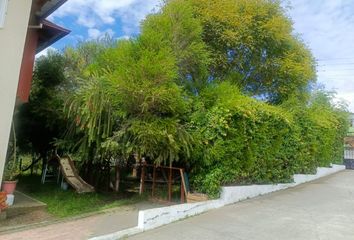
(24, 31)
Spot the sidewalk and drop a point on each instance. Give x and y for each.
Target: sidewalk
(83, 228)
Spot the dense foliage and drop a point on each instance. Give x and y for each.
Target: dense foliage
(244, 141)
(223, 87)
(41, 119)
(252, 43)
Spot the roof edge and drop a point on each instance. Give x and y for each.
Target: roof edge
(51, 8)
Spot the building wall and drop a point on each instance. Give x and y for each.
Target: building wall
(12, 41)
(25, 81)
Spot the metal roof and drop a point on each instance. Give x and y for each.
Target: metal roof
(49, 7)
(49, 34)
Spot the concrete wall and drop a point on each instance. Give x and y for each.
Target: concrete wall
(12, 41)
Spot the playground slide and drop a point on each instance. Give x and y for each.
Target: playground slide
(72, 177)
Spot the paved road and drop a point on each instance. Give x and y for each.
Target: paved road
(320, 210)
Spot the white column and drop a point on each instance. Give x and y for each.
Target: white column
(12, 41)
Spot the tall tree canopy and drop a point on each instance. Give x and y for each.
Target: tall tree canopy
(250, 43)
(182, 32)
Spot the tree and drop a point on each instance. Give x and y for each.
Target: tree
(148, 100)
(182, 85)
(87, 106)
(177, 28)
(90, 113)
(252, 44)
(130, 95)
(43, 124)
(41, 120)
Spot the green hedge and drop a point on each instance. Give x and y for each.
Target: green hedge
(240, 140)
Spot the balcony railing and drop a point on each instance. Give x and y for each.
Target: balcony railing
(349, 153)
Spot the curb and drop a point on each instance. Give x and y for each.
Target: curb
(120, 234)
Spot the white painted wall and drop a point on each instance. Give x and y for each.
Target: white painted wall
(156, 217)
(12, 41)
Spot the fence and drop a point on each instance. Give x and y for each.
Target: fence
(349, 153)
(349, 157)
(166, 183)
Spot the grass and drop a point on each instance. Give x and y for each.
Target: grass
(68, 203)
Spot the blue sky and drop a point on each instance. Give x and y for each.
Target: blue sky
(326, 26)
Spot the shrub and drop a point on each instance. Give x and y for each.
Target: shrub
(244, 141)
(242, 137)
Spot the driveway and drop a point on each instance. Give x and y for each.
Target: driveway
(321, 210)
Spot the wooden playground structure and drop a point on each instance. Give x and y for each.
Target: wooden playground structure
(166, 175)
(166, 184)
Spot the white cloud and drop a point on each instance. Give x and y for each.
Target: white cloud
(347, 98)
(94, 14)
(86, 21)
(125, 37)
(94, 33)
(327, 26)
(45, 51)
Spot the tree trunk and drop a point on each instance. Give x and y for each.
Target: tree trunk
(117, 178)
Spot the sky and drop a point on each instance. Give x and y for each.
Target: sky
(326, 26)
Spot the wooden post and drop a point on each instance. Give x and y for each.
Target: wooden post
(117, 177)
(183, 183)
(182, 193)
(170, 183)
(153, 181)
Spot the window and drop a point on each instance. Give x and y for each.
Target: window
(3, 7)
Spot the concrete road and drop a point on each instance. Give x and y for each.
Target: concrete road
(321, 210)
